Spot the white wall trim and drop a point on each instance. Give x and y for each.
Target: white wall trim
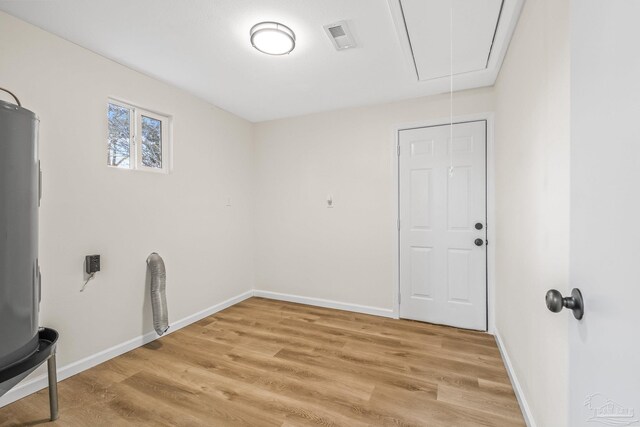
(517, 388)
(40, 382)
(491, 214)
(319, 302)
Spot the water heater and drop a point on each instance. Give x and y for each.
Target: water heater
(23, 345)
(19, 198)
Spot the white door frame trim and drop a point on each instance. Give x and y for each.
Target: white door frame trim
(491, 228)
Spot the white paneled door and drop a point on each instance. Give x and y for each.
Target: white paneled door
(604, 346)
(443, 255)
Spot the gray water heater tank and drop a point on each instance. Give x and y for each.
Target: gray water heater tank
(19, 200)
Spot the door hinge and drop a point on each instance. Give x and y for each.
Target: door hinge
(398, 150)
(398, 224)
(399, 298)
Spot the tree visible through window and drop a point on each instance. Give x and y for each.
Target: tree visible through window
(137, 139)
(151, 142)
(119, 136)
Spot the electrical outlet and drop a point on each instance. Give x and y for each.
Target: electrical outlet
(92, 263)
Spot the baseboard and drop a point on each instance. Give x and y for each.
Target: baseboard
(376, 311)
(35, 384)
(517, 388)
(209, 311)
(38, 383)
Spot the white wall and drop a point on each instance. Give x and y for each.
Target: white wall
(345, 253)
(88, 208)
(532, 205)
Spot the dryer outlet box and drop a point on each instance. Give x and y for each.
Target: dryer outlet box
(92, 263)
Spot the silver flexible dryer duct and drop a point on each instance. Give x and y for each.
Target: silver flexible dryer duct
(155, 265)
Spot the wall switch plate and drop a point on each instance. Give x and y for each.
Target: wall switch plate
(92, 263)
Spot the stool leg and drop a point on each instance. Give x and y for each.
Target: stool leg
(53, 387)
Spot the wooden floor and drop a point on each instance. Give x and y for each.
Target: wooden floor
(271, 363)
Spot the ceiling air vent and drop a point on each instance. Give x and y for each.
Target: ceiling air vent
(340, 35)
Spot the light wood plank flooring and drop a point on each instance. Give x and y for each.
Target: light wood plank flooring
(272, 363)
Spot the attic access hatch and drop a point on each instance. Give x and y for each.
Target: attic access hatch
(479, 30)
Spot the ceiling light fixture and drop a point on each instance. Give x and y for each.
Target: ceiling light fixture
(272, 38)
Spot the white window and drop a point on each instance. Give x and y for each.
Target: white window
(137, 138)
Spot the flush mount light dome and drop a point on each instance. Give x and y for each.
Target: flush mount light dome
(272, 38)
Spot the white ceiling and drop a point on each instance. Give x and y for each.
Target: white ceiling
(203, 47)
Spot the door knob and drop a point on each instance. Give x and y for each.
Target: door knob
(479, 226)
(555, 302)
(478, 242)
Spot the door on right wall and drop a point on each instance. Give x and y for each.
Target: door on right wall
(604, 346)
(442, 212)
